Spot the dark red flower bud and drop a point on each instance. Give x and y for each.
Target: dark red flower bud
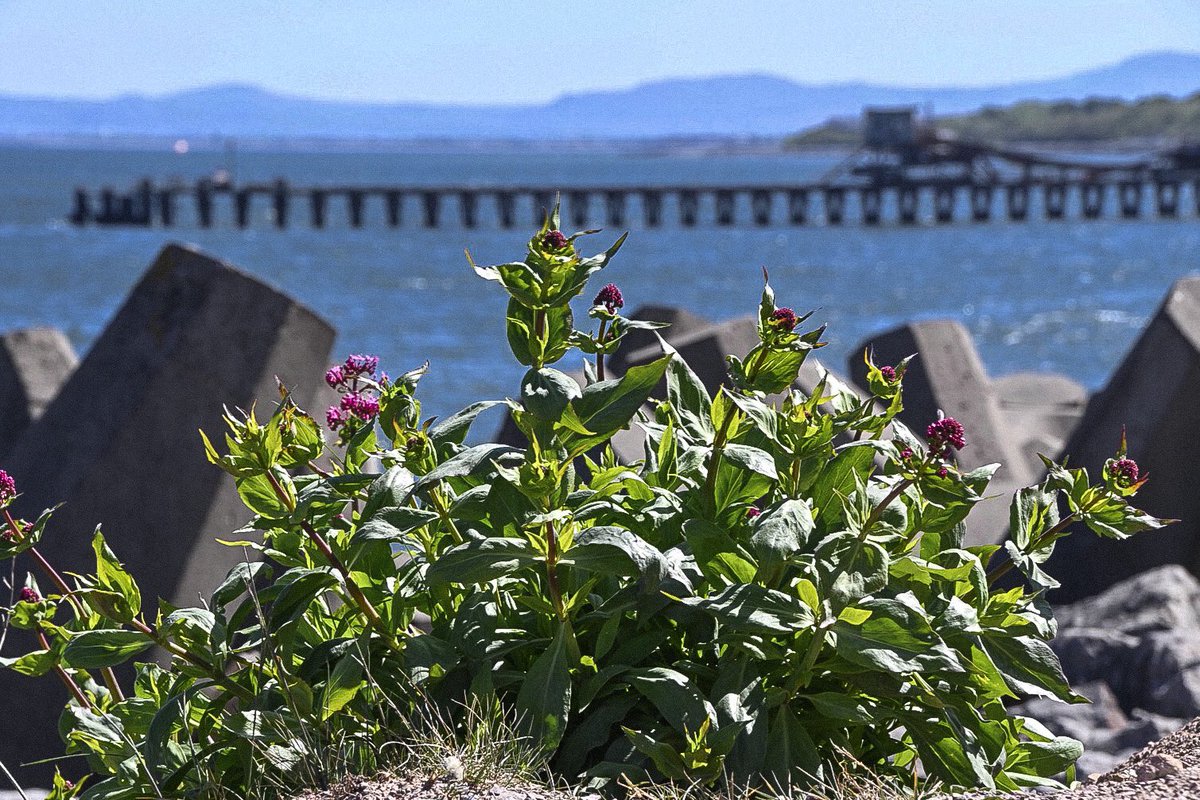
(1124, 471)
(28, 595)
(946, 432)
(610, 298)
(888, 373)
(554, 240)
(784, 319)
(752, 512)
(8, 488)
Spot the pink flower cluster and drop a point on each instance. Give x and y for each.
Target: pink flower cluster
(8, 488)
(555, 240)
(358, 402)
(888, 373)
(947, 432)
(610, 298)
(784, 319)
(28, 595)
(1124, 471)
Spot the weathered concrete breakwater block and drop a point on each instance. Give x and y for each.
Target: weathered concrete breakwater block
(1153, 396)
(947, 375)
(34, 364)
(119, 445)
(1040, 412)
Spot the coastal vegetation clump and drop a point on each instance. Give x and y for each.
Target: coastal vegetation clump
(1095, 120)
(778, 588)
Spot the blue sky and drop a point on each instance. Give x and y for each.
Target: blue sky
(519, 52)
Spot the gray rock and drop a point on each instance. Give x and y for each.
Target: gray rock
(118, 445)
(34, 364)
(1091, 723)
(1161, 599)
(705, 349)
(1153, 396)
(681, 322)
(1040, 411)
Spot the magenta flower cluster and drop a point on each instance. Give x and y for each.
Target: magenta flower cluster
(554, 240)
(946, 433)
(358, 401)
(784, 319)
(1124, 471)
(28, 595)
(609, 297)
(888, 373)
(752, 512)
(8, 488)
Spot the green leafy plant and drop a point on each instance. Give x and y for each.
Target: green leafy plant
(779, 586)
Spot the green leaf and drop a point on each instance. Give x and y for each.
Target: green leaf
(894, 640)
(112, 578)
(544, 701)
(717, 555)
(104, 648)
(792, 758)
(259, 496)
(467, 462)
(616, 551)
(393, 524)
(781, 531)
(546, 392)
(343, 685)
(1029, 666)
(606, 407)
(688, 397)
(751, 608)
(838, 479)
(672, 693)
(944, 756)
(751, 458)
(33, 664)
(482, 560)
(527, 347)
(453, 429)
(776, 369)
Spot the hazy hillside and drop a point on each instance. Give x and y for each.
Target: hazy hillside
(750, 105)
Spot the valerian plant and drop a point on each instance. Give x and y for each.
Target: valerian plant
(780, 583)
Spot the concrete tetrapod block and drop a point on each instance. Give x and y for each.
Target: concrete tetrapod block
(1041, 411)
(34, 364)
(680, 324)
(704, 349)
(1153, 395)
(947, 375)
(119, 447)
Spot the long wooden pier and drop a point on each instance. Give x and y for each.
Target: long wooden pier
(908, 203)
(904, 172)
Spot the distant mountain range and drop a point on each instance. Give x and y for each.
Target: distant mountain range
(733, 106)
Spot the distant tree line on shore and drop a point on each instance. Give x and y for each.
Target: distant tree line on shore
(1090, 120)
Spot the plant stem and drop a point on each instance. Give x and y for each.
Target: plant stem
(552, 571)
(187, 655)
(355, 592)
(998, 572)
(110, 678)
(599, 353)
(65, 677)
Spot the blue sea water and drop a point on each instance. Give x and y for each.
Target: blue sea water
(1067, 296)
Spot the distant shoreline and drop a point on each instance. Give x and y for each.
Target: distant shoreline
(668, 147)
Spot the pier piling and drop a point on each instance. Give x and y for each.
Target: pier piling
(1054, 196)
(354, 206)
(579, 209)
(1018, 202)
(835, 205)
(615, 205)
(506, 209)
(689, 207)
(760, 207)
(317, 198)
(725, 202)
(430, 208)
(1130, 195)
(652, 207)
(981, 203)
(872, 205)
(468, 203)
(393, 202)
(798, 206)
(1167, 197)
